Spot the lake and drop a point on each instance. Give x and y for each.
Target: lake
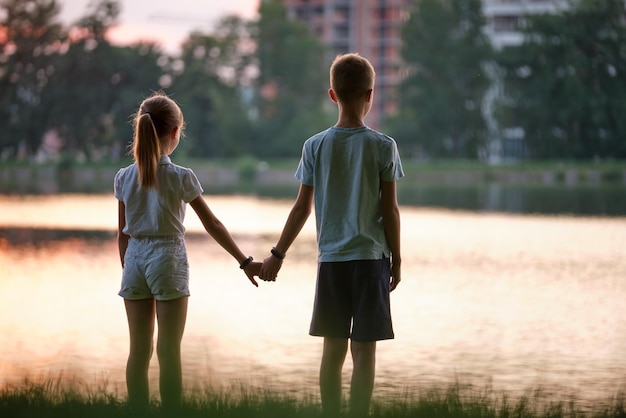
(514, 304)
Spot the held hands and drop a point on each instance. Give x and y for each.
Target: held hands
(266, 271)
(271, 265)
(255, 269)
(270, 268)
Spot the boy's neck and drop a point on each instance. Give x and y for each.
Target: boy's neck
(352, 115)
(349, 123)
(350, 119)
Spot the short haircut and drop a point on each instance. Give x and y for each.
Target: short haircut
(351, 76)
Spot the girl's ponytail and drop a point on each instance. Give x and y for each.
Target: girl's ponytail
(146, 150)
(154, 122)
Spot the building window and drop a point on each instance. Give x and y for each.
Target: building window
(506, 23)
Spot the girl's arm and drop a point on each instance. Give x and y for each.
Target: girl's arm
(122, 238)
(220, 234)
(391, 223)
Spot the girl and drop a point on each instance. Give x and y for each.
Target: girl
(152, 195)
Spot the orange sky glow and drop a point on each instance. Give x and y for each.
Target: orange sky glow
(167, 22)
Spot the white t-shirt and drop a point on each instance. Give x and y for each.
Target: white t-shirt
(160, 211)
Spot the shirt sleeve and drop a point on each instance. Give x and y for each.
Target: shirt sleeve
(191, 186)
(304, 173)
(117, 185)
(392, 166)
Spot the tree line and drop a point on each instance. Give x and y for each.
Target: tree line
(258, 87)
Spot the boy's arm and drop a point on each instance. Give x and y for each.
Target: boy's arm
(122, 238)
(391, 223)
(220, 234)
(295, 221)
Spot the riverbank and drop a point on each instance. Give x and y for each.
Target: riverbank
(247, 175)
(53, 399)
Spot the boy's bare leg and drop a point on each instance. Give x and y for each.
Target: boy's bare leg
(140, 315)
(333, 357)
(171, 315)
(362, 384)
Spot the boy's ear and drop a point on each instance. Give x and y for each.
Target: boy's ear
(368, 95)
(332, 95)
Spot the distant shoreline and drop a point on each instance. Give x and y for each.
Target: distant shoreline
(246, 174)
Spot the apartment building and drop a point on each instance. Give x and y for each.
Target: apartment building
(505, 17)
(372, 28)
(369, 27)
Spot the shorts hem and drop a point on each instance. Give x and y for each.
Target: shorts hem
(156, 297)
(366, 340)
(164, 298)
(135, 297)
(361, 340)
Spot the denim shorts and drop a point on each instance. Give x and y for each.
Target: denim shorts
(155, 267)
(352, 300)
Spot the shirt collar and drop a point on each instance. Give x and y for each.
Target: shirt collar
(165, 159)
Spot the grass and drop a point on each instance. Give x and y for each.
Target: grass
(52, 399)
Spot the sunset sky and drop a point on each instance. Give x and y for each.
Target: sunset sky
(165, 21)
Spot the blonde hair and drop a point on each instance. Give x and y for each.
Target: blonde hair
(157, 117)
(351, 76)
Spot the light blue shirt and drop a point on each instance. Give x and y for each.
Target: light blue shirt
(345, 167)
(161, 211)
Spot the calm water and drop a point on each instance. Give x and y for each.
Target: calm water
(507, 302)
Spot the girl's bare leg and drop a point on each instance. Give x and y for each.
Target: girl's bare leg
(140, 314)
(171, 316)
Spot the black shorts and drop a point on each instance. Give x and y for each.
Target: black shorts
(352, 300)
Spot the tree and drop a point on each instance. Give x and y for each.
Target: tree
(83, 92)
(30, 38)
(98, 86)
(444, 48)
(565, 84)
(209, 81)
(292, 83)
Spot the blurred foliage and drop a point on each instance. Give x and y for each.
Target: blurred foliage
(29, 40)
(68, 84)
(291, 86)
(258, 88)
(566, 85)
(209, 83)
(444, 48)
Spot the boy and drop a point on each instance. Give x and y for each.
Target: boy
(350, 172)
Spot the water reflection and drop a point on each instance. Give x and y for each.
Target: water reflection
(22, 236)
(510, 302)
(594, 200)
